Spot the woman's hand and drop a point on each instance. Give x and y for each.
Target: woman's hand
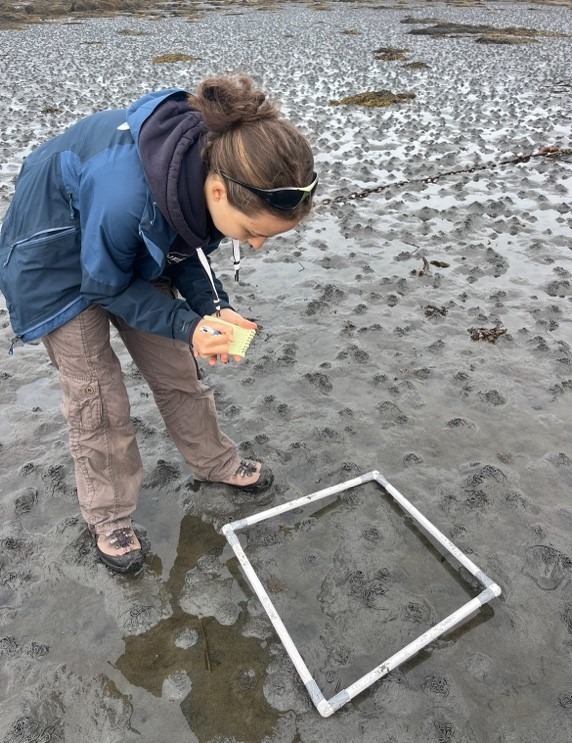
(210, 339)
(231, 316)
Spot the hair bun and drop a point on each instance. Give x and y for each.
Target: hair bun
(227, 102)
(247, 140)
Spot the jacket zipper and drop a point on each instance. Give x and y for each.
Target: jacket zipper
(15, 339)
(18, 338)
(8, 256)
(37, 236)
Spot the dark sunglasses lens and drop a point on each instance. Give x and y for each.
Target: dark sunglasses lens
(286, 199)
(289, 198)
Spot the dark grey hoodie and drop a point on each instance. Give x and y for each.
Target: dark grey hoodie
(170, 145)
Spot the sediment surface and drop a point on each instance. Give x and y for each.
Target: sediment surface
(423, 331)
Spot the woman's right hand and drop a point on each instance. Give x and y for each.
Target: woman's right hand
(210, 341)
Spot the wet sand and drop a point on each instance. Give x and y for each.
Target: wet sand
(366, 360)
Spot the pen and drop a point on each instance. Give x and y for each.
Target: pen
(210, 331)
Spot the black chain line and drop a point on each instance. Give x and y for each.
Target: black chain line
(549, 151)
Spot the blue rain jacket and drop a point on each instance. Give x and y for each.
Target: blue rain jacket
(83, 229)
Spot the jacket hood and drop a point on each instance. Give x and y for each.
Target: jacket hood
(169, 136)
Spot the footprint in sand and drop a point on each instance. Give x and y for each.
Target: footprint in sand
(548, 567)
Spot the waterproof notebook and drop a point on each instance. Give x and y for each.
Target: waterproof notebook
(241, 337)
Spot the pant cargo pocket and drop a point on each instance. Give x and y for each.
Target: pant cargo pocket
(81, 403)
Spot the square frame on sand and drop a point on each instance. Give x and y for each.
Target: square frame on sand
(327, 707)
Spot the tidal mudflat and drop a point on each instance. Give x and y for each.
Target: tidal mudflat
(423, 330)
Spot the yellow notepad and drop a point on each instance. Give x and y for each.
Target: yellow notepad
(241, 337)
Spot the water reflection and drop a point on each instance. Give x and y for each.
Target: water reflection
(215, 671)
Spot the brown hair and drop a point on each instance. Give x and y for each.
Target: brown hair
(247, 140)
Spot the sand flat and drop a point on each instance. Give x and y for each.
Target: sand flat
(366, 360)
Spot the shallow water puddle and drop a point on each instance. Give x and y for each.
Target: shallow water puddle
(200, 662)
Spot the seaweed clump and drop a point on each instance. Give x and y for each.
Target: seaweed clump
(373, 99)
(418, 66)
(132, 32)
(486, 334)
(174, 57)
(484, 34)
(501, 38)
(390, 54)
(420, 21)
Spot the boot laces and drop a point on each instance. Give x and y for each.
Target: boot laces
(120, 538)
(246, 468)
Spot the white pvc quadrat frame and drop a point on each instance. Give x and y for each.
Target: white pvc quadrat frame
(327, 707)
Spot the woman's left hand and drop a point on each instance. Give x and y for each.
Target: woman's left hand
(231, 316)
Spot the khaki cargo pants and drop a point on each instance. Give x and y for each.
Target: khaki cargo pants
(108, 465)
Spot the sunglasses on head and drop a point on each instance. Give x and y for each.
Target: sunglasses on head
(284, 199)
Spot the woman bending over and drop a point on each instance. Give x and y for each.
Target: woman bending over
(112, 223)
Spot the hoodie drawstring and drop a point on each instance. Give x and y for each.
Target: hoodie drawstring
(236, 257)
(207, 269)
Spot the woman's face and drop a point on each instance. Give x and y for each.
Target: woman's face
(233, 223)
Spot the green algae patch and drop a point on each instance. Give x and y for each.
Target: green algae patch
(174, 57)
(373, 99)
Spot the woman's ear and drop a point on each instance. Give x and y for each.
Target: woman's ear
(215, 188)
